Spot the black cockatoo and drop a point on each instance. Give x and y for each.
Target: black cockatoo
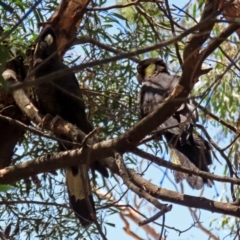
(187, 147)
(62, 97)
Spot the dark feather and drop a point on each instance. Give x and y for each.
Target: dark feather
(63, 97)
(187, 147)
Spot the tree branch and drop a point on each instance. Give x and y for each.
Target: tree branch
(169, 165)
(120, 5)
(183, 199)
(213, 116)
(88, 39)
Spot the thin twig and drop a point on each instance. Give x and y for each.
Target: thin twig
(163, 225)
(120, 5)
(90, 135)
(218, 119)
(169, 15)
(156, 216)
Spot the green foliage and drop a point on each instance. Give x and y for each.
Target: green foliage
(5, 188)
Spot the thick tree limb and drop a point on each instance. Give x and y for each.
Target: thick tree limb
(100, 150)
